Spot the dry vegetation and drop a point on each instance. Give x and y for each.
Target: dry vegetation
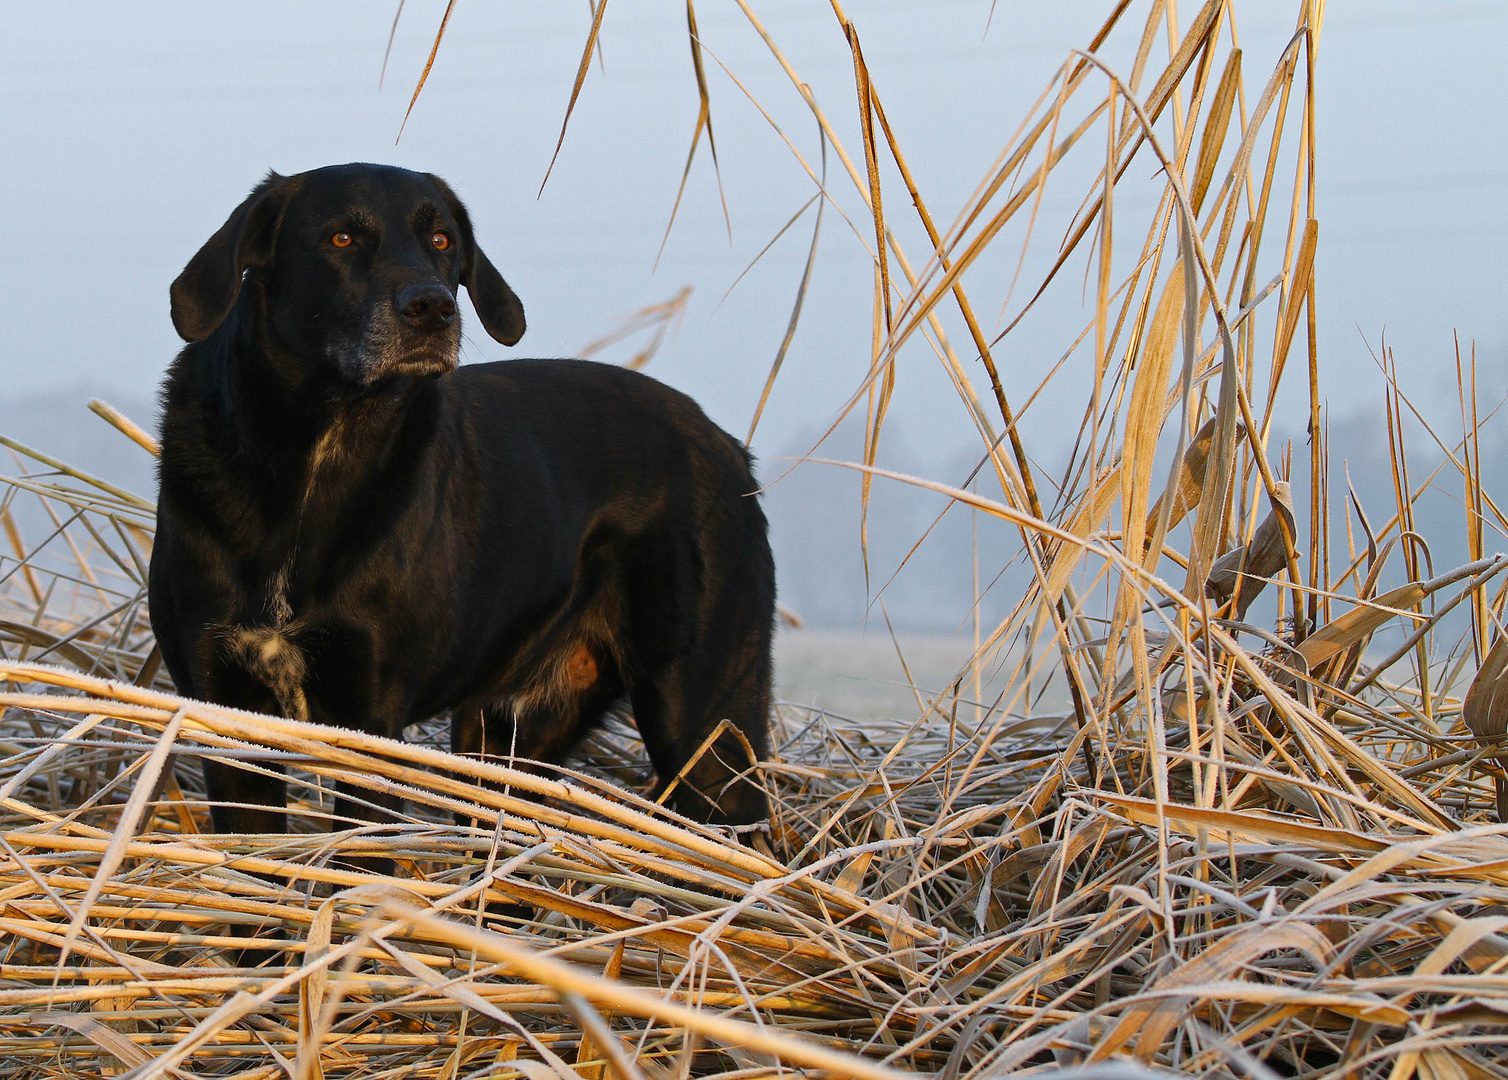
(1252, 850)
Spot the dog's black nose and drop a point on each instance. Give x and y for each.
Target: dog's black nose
(428, 307)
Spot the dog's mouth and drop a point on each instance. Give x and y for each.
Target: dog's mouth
(418, 363)
(383, 352)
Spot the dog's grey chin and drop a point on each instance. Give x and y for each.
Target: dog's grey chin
(426, 367)
(423, 365)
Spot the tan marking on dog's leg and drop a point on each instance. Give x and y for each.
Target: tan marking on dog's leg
(581, 668)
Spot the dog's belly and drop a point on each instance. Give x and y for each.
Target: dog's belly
(298, 664)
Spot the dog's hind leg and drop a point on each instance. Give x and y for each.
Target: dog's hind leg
(699, 660)
(541, 727)
(700, 614)
(708, 767)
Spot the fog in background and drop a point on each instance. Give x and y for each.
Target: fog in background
(131, 131)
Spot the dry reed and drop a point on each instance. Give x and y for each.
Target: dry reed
(1251, 850)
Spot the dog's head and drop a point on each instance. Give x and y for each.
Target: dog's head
(357, 266)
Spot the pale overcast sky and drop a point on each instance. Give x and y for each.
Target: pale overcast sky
(130, 130)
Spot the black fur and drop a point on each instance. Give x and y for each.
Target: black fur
(353, 530)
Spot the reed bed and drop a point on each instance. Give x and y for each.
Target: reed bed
(1266, 840)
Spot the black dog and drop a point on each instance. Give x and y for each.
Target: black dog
(353, 531)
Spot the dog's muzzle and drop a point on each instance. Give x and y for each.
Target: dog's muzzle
(426, 334)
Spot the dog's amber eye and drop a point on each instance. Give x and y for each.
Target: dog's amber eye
(341, 240)
(440, 240)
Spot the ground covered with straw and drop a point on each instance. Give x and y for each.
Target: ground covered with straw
(1322, 894)
(1265, 840)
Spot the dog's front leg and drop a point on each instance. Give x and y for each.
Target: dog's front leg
(356, 806)
(361, 806)
(247, 796)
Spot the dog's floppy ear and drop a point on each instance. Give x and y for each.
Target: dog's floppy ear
(496, 304)
(204, 293)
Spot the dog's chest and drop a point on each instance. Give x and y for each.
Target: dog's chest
(326, 644)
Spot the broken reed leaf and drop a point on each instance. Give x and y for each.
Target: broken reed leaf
(1359, 623)
(1190, 480)
(1245, 569)
(1485, 713)
(1485, 709)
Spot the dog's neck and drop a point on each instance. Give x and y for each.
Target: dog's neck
(287, 444)
(279, 409)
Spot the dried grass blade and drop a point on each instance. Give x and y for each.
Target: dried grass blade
(462, 993)
(1297, 294)
(1340, 634)
(1144, 416)
(125, 832)
(703, 120)
(1231, 826)
(391, 35)
(126, 426)
(581, 70)
(660, 319)
(1215, 130)
(434, 50)
(106, 1038)
(588, 1049)
(795, 319)
(871, 164)
(597, 1037)
(312, 995)
(1086, 521)
(134, 501)
(13, 534)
